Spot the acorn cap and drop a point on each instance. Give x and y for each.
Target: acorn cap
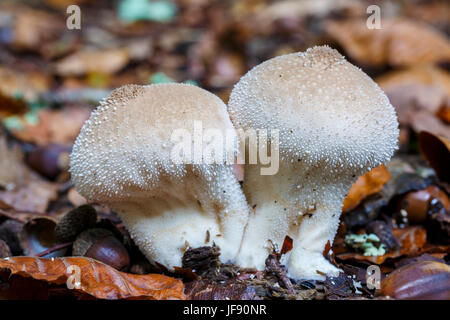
(74, 222)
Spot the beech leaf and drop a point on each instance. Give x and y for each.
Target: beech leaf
(96, 278)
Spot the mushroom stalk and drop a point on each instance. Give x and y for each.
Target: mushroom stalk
(334, 124)
(193, 211)
(285, 204)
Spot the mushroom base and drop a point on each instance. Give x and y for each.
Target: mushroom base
(194, 211)
(301, 202)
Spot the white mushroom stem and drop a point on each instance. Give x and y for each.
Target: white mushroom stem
(189, 212)
(287, 204)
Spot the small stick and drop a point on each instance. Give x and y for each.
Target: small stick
(55, 248)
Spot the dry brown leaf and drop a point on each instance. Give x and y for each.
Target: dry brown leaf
(12, 169)
(426, 75)
(32, 196)
(418, 94)
(96, 278)
(367, 184)
(55, 126)
(10, 106)
(396, 43)
(412, 241)
(444, 113)
(425, 121)
(436, 150)
(28, 83)
(31, 28)
(107, 61)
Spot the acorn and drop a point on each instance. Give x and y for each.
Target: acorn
(423, 280)
(74, 222)
(50, 161)
(100, 244)
(417, 203)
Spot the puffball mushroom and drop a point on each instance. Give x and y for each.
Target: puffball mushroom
(334, 124)
(122, 158)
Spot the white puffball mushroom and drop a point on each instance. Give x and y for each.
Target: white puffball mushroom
(334, 124)
(122, 158)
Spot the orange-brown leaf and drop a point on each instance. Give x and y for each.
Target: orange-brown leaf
(412, 241)
(367, 184)
(96, 278)
(394, 44)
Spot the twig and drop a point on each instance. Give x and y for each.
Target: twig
(55, 248)
(273, 265)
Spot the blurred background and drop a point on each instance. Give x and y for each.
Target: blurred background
(50, 74)
(51, 78)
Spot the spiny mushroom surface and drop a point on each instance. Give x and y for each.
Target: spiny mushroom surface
(122, 158)
(334, 124)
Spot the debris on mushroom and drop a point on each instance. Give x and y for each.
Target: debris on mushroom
(124, 158)
(334, 124)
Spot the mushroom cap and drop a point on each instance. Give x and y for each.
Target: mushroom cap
(326, 110)
(124, 148)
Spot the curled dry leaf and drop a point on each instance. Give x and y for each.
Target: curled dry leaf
(367, 184)
(436, 151)
(411, 240)
(37, 236)
(96, 278)
(394, 44)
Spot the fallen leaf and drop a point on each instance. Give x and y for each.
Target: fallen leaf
(96, 278)
(12, 169)
(10, 106)
(412, 241)
(394, 44)
(107, 61)
(55, 126)
(444, 113)
(436, 151)
(31, 28)
(29, 83)
(33, 196)
(370, 183)
(418, 94)
(37, 236)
